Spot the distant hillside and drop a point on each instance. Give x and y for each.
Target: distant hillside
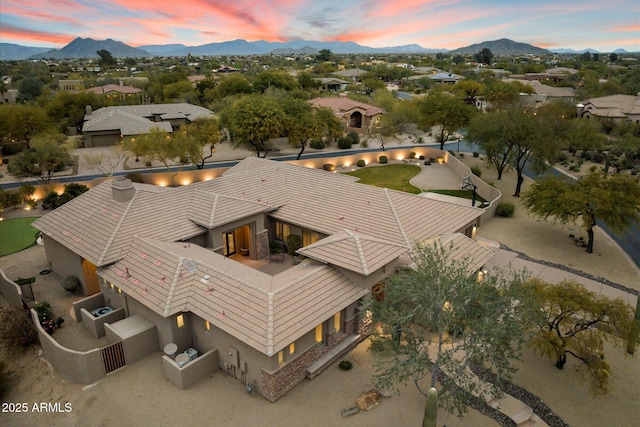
(307, 50)
(502, 47)
(261, 47)
(87, 48)
(10, 51)
(585, 50)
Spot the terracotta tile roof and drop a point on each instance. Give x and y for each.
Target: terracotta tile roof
(463, 248)
(267, 312)
(212, 210)
(99, 90)
(354, 251)
(343, 105)
(136, 119)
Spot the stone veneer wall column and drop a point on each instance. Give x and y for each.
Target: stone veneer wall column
(277, 384)
(262, 244)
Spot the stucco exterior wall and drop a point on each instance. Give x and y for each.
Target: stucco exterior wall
(218, 339)
(63, 261)
(83, 367)
(196, 370)
(89, 303)
(10, 290)
(166, 329)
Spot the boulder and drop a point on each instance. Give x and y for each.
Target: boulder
(369, 400)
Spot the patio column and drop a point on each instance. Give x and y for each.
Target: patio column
(262, 244)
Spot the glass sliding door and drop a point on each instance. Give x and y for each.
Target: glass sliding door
(229, 243)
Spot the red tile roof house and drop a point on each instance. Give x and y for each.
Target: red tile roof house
(163, 254)
(357, 116)
(107, 125)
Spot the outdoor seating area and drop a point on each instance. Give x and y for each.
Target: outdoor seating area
(275, 264)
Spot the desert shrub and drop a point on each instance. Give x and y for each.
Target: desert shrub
(427, 162)
(364, 143)
(361, 163)
(345, 365)
(294, 242)
(32, 204)
(134, 177)
(412, 155)
(354, 137)
(440, 159)
(383, 160)
(420, 140)
(9, 149)
(13, 199)
(5, 380)
(505, 209)
(16, 329)
(70, 284)
(147, 164)
(47, 318)
(452, 153)
(344, 143)
(476, 171)
(461, 155)
(27, 190)
(275, 248)
(421, 157)
(476, 154)
(74, 189)
(317, 143)
(329, 167)
(593, 168)
(50, 201)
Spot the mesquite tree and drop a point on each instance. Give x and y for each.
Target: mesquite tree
(438, 318)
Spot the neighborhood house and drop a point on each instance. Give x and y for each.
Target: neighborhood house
(188, 263)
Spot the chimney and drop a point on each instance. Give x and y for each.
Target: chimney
(88, 110)
(122, 189)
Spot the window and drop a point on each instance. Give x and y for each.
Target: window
(282, 231)
(337, 324)
(281, 354)
(180, 320)
(309, 237)
(207, 325)
(319, 334)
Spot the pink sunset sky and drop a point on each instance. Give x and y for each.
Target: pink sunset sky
(601, 25)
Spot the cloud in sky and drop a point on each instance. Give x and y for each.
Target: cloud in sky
(429, 23)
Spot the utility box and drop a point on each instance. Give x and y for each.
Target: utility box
(234, 360)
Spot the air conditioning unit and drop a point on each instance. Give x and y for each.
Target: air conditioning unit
(192, 353)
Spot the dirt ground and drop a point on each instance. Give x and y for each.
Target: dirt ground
(141, 395)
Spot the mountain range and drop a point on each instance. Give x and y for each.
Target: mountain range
(87, 48)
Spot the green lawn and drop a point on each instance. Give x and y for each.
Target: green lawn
(395, 177)
(16, 234)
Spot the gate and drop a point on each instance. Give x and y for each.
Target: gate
(113, 357)
(27, 293)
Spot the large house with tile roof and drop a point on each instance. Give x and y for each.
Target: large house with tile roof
(613, 107)
(355, 115)
(108, 125)
(171, 256)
